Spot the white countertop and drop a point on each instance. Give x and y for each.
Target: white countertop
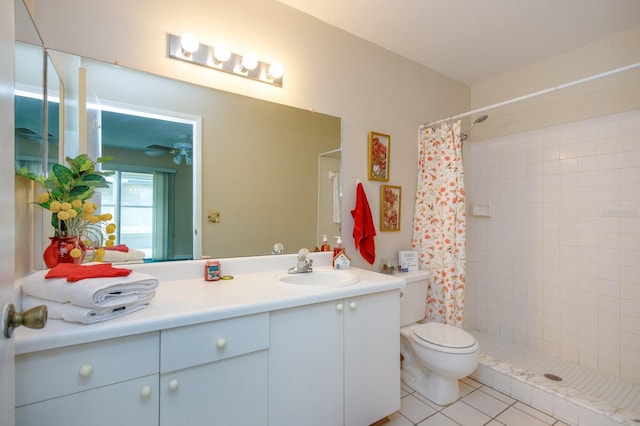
(184, 297)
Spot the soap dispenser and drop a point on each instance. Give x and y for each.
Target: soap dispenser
(325, 244)
(338, 247)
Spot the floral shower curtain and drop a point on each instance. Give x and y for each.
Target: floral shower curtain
(439, 221)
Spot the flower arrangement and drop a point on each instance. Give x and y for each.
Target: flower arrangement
(379, 158)
(390, 208)
(66, 195)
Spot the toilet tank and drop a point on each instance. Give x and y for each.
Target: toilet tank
(413, 301)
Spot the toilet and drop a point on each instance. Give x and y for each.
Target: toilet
(434, 355)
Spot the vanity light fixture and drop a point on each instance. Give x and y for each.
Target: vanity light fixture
(187, 48)
(249, 62)
(189, 44)
(221, 53)
(276, 70)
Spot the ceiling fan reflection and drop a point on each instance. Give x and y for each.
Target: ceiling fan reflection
(179, 150)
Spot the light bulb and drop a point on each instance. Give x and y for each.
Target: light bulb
(177, 159)
(189, 43)
(221, 52)
(249, 61)
(276, 70)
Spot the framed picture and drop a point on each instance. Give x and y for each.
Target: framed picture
(390, 202)
(379, 151)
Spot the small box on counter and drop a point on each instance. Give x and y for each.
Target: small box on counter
(408, 261)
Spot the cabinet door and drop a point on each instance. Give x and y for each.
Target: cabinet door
(134, 402)
(372, 357)
(305, 366)
(232, 391)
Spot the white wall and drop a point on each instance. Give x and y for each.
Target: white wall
(326, 70)
(557, 267)
(7, 216)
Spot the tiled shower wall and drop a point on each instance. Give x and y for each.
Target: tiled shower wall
(556, 266)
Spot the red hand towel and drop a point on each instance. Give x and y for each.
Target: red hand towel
(87, 272)
(120, 247)
(75, 272)
(363, 228)
(62, 270)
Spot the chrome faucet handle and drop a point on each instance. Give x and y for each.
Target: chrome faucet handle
(303, 264)
(303, 253)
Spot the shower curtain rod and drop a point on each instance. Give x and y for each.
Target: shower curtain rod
(534, 94)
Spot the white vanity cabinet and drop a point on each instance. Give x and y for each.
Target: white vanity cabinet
(335, 363)
(250, 352)
(106, 382)
(215, 373)
(306, 366)
(371, 357)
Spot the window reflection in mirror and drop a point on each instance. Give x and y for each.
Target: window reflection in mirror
(36, 122)
(142, 195)
(29, 107)
(130, 200)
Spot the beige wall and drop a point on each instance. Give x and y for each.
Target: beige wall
(600, 97)
(326, 70)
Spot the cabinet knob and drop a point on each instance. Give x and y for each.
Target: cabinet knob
(145, 391)
(339, 307)
(85, 370)
(352, 306)
(173, 384)
(221, 343)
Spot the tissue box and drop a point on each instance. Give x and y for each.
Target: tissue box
(408, 261)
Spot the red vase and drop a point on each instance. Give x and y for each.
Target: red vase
(59, 250)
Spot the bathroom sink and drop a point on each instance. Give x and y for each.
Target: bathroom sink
(320, 279)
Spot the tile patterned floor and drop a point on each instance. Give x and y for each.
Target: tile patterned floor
(478, 405)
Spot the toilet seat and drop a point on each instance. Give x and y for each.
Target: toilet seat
(444, 338)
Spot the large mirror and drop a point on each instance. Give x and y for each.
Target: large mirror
(206, 172)
(37, 98)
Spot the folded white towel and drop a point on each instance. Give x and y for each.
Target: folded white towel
(73, 313)
(114, 256)
(337, 198)
(91, 292)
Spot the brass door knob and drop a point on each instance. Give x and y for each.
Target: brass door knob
(35, 317)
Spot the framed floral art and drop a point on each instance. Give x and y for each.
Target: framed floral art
(379, 151)
(390, 200)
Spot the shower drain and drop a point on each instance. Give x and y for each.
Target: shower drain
(553, 377)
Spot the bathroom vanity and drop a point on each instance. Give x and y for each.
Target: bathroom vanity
(254, 350)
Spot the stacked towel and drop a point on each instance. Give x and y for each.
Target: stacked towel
(89, 293)
(73, 313)
(118, 256)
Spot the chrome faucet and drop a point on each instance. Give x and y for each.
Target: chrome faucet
(304, 264)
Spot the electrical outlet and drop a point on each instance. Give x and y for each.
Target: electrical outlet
(213, 216)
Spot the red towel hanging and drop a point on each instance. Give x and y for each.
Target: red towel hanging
(363, 228)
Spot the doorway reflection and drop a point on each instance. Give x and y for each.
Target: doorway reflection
(152, 184)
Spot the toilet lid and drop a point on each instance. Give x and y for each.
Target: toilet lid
(444, 335)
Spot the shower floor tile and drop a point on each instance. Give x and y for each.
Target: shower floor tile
(580, 394)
